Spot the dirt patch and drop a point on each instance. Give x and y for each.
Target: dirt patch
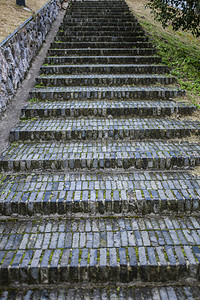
(13, 15)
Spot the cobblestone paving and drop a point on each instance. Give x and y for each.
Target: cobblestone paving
(105, 79)
(133, 193)
(100, 155)
(112, 200)
(102, 108)
(103, 129)
(49, 93)
(106, 69)
(102, 51)
(98, 250)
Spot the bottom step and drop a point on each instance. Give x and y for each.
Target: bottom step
(147, 249)
(112, 292)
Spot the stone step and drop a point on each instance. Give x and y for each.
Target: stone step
(94, 33)
(99, 250)
(95, 4)
(91, 39)
(71, 45)
(113, 93)
(135, 193)
(102, 108)
(101, 52)
(103, 28)
(99, 7)
(50, 60)
(100, 292)
(100, 155)
(101, 10)
(67, 25)
(94, 18)
(98, 25)
(100, 20)
(103, 128)
(116, 18)
(104, 69)
(103, 80)
(105, 13)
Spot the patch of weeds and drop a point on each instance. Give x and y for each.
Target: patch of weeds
(182, 57)
(33, 100)
(194, 101)
(39, 85)
(28, 120)
(14, 144)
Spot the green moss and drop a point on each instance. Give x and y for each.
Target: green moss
(33, 100)
(51, 256)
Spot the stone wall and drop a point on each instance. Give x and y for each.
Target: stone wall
(20, 47)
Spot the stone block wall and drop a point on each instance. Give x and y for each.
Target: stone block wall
(20, 47)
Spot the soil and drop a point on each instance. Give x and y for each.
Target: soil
(13, 15)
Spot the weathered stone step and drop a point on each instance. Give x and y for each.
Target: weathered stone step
(104, 9)
(114, 93)
(98, 21)
(100, 292)
(103, 28)
(99, 193)
(116, 18)
(95, 4)
(105, 13)
(98, 25)
(104, 69)
(100, 6)
(64, 45)
(103, 128)
(101, 10)
(91, 39)
(123, 7)
(99, 250)
(102, 108)
(103, 80)
(94, 33)
(100, 154)
(103, 51)
(102, 59)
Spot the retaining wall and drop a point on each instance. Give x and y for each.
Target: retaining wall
(20, 47)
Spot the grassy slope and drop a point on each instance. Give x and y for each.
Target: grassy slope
(12, 15)
(179, 50)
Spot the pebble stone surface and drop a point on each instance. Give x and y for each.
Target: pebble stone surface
(97, 197)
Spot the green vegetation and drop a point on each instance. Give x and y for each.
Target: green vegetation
(33, 100)
(181, 14)
(182, 56)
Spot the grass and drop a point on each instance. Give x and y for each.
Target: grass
(11, 11)
(179, 50)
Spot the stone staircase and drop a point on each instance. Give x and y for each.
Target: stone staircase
(97, 200)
